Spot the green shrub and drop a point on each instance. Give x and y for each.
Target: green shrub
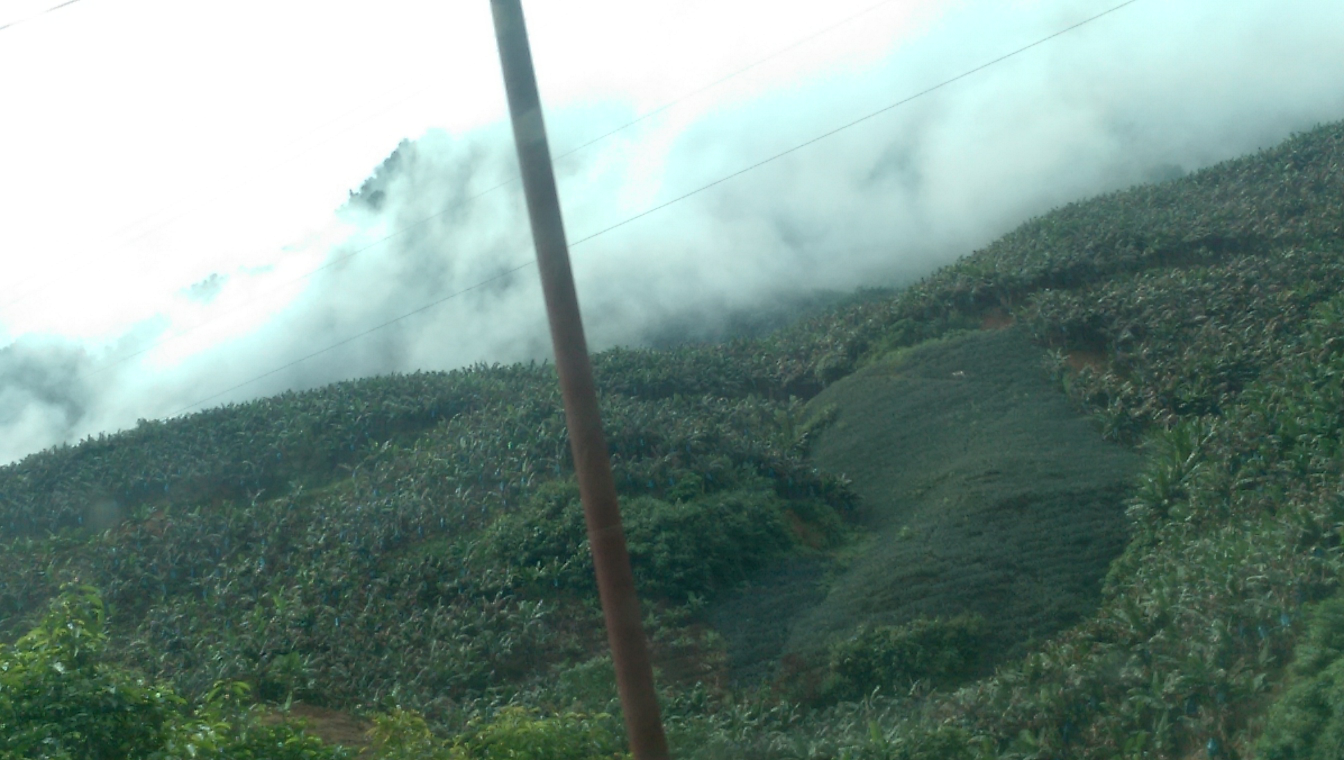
(513, 734)
(677, 549)
(247, 739)
(704, 545)
(228, 726)
(1307, 722)
(918, 743)
(59, 700)
(518, 734)
(404, 735)
(892, 658)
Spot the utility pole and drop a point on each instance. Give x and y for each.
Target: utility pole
(597, 488)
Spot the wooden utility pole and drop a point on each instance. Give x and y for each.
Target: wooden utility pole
(597, 488)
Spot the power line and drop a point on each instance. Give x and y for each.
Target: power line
(844, 127)
(37, 15)
(678, 199)
(600, 138)
(329, 264)
(509, 181)
(722, 80)
(593, 141)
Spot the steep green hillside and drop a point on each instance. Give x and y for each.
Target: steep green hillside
(984, 490)
(981, 490)
(414, 542)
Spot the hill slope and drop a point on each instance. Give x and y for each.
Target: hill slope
(416, 541)
(986, 492)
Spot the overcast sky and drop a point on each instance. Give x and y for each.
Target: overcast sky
(149, 144)
(173, 172)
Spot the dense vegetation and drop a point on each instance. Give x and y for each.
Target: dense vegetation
(410, 547)
(982, 491)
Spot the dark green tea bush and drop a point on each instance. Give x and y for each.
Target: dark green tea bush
(1307, 722)
(892, 658)
(678, 549)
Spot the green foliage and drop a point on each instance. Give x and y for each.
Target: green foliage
(236, 450)
(228, 727)
(59, 700)
(679, 550)
(941, 742)
(1174, 460)
(1183, 342)
(815, 423)
(291, 592)
(1239, 528)
(892, 658)
(694, 548)
(317, 544)
(404, 735)
(514, 733)
(519, 733)
(1307, 722)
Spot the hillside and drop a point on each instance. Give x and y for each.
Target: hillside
(981, 490)
(985, 491)
(1144, 512)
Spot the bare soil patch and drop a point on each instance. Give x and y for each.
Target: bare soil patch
(331, 726)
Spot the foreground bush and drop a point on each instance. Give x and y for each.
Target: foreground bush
(59, 700)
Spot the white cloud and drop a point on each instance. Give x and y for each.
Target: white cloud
(235, 123)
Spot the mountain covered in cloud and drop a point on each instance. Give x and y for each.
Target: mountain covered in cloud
(427, 265)
(989, 511)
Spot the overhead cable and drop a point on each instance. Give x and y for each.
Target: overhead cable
(504, 183)
(666, 204)
(26, 19)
